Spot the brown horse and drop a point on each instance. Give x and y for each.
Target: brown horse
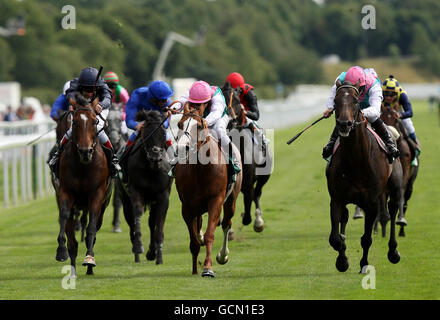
(407, 152)
(359, 173)
(202, 187)
(84, 183)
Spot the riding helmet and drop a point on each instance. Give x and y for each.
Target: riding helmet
(87, 77)
(160, 90)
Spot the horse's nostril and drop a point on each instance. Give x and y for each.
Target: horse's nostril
(349, 123)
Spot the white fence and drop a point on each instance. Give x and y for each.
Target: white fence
(25, 173)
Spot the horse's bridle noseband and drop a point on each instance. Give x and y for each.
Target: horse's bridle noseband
(96, 123)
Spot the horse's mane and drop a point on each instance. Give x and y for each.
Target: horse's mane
(148, 116)
(81, 100)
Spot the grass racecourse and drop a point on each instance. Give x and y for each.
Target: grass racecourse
(290, 259)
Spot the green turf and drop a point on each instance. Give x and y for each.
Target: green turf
(290, 259)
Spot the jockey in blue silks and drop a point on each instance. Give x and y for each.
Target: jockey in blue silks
(60, 103)
(153, 97)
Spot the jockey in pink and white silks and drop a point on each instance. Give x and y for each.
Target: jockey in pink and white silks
(370, 99)
(215, 115)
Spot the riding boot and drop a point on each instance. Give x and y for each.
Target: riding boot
(173, 160)
(381, 129)
(234, 163)
(416, 146)
(328, 149)
(112, 160)
(54, 157)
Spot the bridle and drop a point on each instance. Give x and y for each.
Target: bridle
(154, 149)
(352, 124)
(95, 138)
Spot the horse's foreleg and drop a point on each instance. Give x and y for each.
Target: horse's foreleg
(344, 220)
(95, 213)
(337, 241)
(248, 195)
(65, 208)
(395, 203)
(117, 203)
(371, 212)
(160, 209)
(214, 210)
(228, 213)
(72, 244)
(259, 223)
(138, 210)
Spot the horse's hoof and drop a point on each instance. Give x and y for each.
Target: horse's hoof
(62, 254)
(208, 273)
(394, 257)
(89, 261)
(401, 233)
(159, 260)
(136, 258)
(246, 219)
(342, 264)
(138, 250)
(401, 222)
(151, 255)
(117, 229)
(222, 259)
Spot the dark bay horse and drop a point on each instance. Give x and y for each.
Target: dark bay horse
(84, 183)
(389, 116)
(202, 187)
(148, 185)
(118, 140)
(359, 173)
(257, 165)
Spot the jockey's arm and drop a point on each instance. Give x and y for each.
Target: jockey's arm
(253, 113)
(60, 104)
(131, 109)
(217, 109)
(105, 95)
(330, 105)
(375, 101)
(406, 105)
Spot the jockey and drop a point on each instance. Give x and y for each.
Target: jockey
(215, 115)
(154, 97)
(370, 102)
(120, 95)
(248, 100)
(85, 84)
(60, 103)
(396, 97)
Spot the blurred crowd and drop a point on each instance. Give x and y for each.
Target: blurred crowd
(24, 112)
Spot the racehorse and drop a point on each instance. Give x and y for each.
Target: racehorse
(359, 173)
(113, 130)
(202, 186)
(243, 137)
(148, 184)
(84, 183)
(63, 124)
(407, 152)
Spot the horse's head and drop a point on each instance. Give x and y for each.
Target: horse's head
(84, 127)
(389, 115)
(232, 97)
(153, 135)
(347, 107)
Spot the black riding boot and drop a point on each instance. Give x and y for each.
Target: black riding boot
(381, 129)
(328, 149)
(112, 161)
(54, 159)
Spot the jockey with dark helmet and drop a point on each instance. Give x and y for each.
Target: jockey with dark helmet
(153, 97)
(248, 99)
(397, 98)
(370, 97)
(88, 85)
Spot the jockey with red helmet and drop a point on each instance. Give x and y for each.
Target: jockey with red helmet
(215, 115)
(370, 97)
(248, 99)
(89, 85)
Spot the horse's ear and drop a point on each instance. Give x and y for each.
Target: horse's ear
(186, 107)
(72, 103)
(95, 102)
(338, 83)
